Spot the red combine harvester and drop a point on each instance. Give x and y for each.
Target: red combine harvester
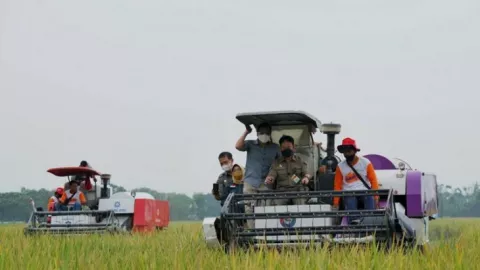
(104, 211)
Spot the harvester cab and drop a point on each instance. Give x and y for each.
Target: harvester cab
(407, 198)
(105, 211)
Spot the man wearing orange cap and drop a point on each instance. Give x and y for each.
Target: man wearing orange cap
(54, 199)
(354, 173)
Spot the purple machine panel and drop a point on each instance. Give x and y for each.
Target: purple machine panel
(421, 189)
(421, 194)
(414, 207)
(380, 162)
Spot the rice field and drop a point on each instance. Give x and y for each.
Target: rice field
(456, 243)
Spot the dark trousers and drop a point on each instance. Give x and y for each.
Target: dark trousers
(351, 203)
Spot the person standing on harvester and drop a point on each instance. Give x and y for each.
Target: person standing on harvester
(261, 154)
(230, 180)
(354, 173)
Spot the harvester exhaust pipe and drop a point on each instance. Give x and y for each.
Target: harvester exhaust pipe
(331, 130)
(105, 181)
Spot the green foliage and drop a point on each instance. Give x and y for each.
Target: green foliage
(15, 206)
(459, 202)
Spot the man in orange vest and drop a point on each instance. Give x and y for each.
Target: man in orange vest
(54, 199)
(72, 197)
(354, 173)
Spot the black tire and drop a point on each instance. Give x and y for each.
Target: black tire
(396, 241)
(423, 248)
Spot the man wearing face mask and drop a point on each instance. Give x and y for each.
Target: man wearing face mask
(260, 155)
(228, 181)
(289, 172)
(354, 173)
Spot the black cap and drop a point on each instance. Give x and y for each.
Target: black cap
(73, 181)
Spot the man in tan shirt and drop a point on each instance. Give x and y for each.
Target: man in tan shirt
(289, 172)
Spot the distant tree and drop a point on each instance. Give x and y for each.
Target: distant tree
(117, 188)
(15, 206)
(206, 205)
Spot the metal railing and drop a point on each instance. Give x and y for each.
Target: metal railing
(379, 222)
(104, 222)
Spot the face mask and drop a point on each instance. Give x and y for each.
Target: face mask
(227, 167)
(349, 158)
(287, 153)
(264, 138)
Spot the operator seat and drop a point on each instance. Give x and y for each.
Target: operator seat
(91, 198)
(311, 155)
(307, 151)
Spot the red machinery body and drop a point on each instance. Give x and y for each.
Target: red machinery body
(150, 215)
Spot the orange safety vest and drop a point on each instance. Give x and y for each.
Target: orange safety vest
(346, 179)
(51, 203)
(78, 197)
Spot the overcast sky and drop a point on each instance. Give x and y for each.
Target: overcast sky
(148, 90)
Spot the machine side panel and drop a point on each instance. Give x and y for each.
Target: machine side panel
(121, 206)
(162, 215)
(72, 220)
(414, 194)
(392, 179)
(144, 215)
(291, 222)
(429, 186)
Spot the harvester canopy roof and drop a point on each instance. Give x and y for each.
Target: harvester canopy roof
(278, 118)
(69, 171)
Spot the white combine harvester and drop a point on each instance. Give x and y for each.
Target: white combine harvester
(408, 199)
(106, 211)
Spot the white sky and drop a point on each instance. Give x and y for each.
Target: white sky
(148, 90)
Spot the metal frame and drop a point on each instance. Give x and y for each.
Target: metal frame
(312, 119)
(35, 226)
(383, 231)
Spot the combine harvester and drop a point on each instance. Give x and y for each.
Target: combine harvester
(108, 212)
(408, 199)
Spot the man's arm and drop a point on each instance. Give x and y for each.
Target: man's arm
(305, 175)
(372, 177)
(337, 185)
(272, 174)
(63, 198)
(241, 144)
(50, 203)
(305, 170)
(83, 200)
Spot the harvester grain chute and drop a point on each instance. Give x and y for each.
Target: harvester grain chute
(407, 199)
(105, 211)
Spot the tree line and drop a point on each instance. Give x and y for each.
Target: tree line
(15, 206)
